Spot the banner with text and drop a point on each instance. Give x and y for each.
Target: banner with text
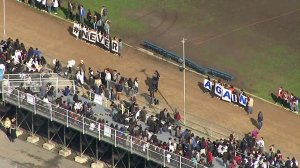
(95, 38)
(225, 94)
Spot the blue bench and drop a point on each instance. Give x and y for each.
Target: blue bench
(220, 74)
(169, 55)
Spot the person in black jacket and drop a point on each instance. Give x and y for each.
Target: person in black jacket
(75, 97)
(260, 119)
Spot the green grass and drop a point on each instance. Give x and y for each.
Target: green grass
(118, 12)
(266, 64)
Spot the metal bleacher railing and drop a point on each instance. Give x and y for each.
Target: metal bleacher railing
(95, 129)
(202, 127)
(35, 80)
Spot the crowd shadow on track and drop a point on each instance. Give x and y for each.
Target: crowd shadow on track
(70, 30)
(146, 97)
(254, 122)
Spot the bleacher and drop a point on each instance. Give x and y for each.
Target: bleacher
(198, 68)
(86, 125)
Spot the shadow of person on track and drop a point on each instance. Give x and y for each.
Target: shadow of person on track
(254, 122)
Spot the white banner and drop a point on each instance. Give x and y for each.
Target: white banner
(207, 84)
(107, 131)
(30, 99)
(85, 34)
(115, 46)
(106, 42)
(98, 99)
(218, 89)
(93, 36)
(100, 38)
(234, 98)
(243, 100)
(226, 95)
(76, 28)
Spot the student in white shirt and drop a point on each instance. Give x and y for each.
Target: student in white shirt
(136, 86)
(261, 144)
(107, 78)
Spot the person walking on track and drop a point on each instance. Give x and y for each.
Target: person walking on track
(260, 119)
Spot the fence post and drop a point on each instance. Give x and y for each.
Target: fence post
(19, 103)
(115, 138)
(51, 117)
(131, 144)
(179, 161)
(34, 105)
(74, 87)
(82, 125)
(147, 151)
(3, 94)
(90, 96)
(57, 86)
(164, 158)
(67, 118)
(41, 80)
(99, 131)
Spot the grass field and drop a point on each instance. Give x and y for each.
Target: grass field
(255, 41)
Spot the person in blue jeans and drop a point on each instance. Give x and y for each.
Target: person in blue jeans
(260, 119)
(81, 14)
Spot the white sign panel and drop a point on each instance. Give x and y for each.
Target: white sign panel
(107, 131)
(76, 29)
(243, 100)
(115, 46)
(218, 89)
(207, 84)
(30, 99)
(98, 99)
(226, 95)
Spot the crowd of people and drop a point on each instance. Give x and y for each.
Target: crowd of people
(15, 58)
(287, 100)
(246, 153)
(44, 5)
(88, 21)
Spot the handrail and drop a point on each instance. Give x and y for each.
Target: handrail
(83, 124)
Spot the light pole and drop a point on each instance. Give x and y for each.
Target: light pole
(183, 65)
(4, 33)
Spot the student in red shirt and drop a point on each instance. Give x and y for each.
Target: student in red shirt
(209, 158)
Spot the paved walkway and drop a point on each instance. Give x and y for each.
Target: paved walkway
(22, 154)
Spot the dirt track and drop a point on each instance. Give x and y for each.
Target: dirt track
(52, 37)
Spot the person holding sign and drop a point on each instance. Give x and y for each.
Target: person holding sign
(250, 105)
